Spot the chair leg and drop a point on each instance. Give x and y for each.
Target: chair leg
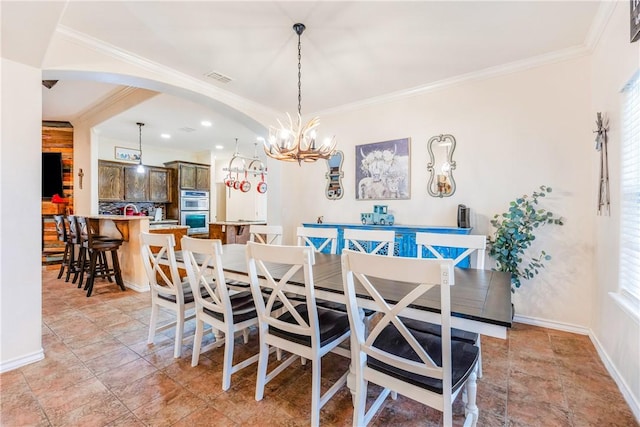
(92, 273)
(197, 342)
(228, 359)
(82, 256)
(116, 269)
(263, 361)
(72, 263)
(65, 261)
(315, 392)
(153, 322)
(177, 350)
(471, 387)
(478, 343)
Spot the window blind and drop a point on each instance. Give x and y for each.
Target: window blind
(630, 189)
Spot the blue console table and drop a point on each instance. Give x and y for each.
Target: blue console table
(405, 244)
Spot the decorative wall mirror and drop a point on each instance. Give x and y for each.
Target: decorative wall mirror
(441, 166)
(334, 176)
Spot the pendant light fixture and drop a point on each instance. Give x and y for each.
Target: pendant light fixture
(140, 168)
(295, 142)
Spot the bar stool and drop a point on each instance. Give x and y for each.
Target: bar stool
(96, 248)
(68, 257)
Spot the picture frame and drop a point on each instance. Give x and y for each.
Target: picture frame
(635, 20)
(383, 170)
(123, 154)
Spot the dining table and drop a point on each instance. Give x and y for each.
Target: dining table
(480, 299)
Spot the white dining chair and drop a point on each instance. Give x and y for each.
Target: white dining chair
(429, 369)
(377, 241)
(267, 234)
(226, 311)
(318, 238)
(166, 288)
(302, 329)
(472, 246)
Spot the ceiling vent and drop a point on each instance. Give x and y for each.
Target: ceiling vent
(187, 129)
(218, 76)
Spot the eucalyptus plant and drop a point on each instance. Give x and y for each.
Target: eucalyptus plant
(514, 234)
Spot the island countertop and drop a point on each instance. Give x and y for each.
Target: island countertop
(238, 222)
(121, 217)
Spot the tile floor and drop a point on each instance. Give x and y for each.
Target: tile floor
(99, 371)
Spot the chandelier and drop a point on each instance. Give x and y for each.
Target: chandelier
(295, 142)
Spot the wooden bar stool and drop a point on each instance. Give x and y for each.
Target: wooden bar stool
(68, 257)
(96, 248)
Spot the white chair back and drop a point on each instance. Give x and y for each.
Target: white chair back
(156, 250)
(384, 241)
(472, 244)
(371, 273)
(203, 262)
(266, 234)
(318, 238)
(292, 261)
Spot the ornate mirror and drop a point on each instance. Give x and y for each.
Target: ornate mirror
(441, 166)
(334, 176)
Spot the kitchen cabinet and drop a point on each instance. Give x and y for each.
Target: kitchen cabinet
(191, 176)
(110, 181)
(159, 182)
(135, 185)
(122, 182)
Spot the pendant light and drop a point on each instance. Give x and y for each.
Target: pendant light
(295, 142)
(140, 168)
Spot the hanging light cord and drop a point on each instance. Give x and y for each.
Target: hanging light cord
(299, 72)
(140, 140)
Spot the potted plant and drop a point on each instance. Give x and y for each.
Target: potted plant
(514, 234)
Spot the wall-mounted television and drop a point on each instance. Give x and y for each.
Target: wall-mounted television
(52, 174)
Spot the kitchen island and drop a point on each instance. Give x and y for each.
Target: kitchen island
(128, 228)
(231, 231)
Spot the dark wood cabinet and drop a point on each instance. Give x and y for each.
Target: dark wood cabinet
(110, 181)
(159, 181)
(122, 182)
(135, 185)
(202, 178)
(191, 176)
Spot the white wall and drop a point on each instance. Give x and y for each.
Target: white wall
(20, 207)
(614, 62)
(514, 133)
(151, 156)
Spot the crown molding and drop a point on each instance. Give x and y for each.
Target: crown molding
(599, 24)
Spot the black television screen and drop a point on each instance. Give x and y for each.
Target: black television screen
(52, 174)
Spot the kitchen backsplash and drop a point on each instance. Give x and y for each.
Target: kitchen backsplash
(115, 208)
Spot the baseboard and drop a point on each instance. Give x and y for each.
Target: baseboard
(633, 403)
(559, 326)
(136, 287)
(18, 362)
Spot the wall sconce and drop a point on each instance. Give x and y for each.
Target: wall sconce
(441, 166)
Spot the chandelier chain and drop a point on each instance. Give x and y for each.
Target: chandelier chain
(299, 76)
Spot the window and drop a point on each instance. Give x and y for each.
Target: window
(630, 197)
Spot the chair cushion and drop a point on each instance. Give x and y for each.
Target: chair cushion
(463, 358)
(435, 329)
(186, 291)
(330, 305)
(332, 324)
(242, 306)
(237, 284)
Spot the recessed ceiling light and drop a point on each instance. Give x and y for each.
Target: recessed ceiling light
(165, 136)
(219, 147)
(206, 123)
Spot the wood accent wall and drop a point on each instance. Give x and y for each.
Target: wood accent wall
(57, 137)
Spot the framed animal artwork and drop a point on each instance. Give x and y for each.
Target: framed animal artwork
(383, 170)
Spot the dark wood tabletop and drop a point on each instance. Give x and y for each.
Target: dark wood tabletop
(480, 299)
